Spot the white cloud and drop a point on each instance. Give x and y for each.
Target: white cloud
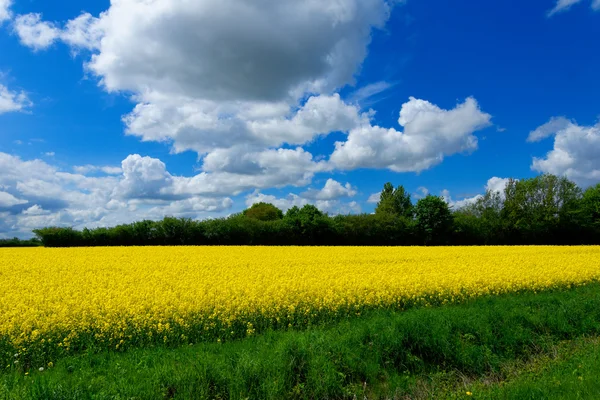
(49, 154)
(548, 129)
(430, 134)
(564, 5)
(5, 13)
(12, 101)
(374, 198)
(213, 75)
(493, 184)
(204, 126)
(235, 81)
(284, 203)
(575, 151)
(35, 210)
(82, 32)
(332, 190)
(8, 200)
(370, 90)
(422, 191)
(332, 207)
(36, 194)
(35, 33)
(86, 169)
(497, 185)
(234, 49)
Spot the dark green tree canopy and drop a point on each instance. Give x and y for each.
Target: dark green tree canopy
(263, 212)
(434, 219)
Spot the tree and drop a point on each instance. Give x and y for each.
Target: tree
(386, 200)
(434, 220)
(590, 212)
(394, 201)
(309, 224)
(264, 212)
(538, 209)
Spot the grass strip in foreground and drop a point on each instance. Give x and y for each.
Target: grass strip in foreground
(570, 370)
(381, 355)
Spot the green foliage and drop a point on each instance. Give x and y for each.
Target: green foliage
(16, 242)
(379, 355)
(309, 225)
(434, 220)
(394, 201)
(264, 212)
(536, 209)
(590, 209)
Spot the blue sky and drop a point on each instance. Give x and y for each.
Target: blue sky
(111, 113)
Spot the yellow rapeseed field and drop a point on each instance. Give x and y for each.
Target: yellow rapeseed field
(59, 301)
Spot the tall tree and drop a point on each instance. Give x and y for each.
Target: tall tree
(434, 219)
(402, 203)
(386, 200)
(590, 210)
(394, 201)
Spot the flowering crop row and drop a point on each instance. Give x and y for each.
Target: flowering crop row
(59, 301)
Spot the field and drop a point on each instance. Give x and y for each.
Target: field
(57, 302)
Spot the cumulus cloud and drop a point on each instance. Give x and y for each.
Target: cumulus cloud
(5, 13)
(204, 126)
(238, 81)
(224, 73)
(11, 101)
(331, 191)
(575, 151)
(234, 50)
(497, 185)
(82, 32)
(34, 194)
(35, 210)
(35, 33)
(8, 200)
(430, 133)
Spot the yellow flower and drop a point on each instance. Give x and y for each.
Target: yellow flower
(121, 296)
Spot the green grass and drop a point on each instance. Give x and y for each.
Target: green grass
(571, 370)
(420, 353)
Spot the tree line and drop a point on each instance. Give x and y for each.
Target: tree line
(16, 242)
(542, 210)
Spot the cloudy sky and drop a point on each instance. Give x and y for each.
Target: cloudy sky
(117, 111)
